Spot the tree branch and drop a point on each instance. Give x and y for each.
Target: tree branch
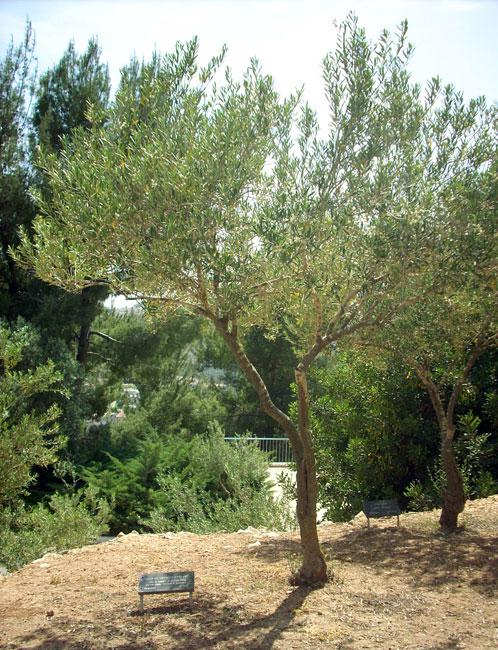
(482, 342)
(104, 336)
(180, 303)
(230, 336)
(101, 356)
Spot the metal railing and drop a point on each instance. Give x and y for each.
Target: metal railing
(278, 449)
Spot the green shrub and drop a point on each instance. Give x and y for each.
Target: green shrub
(193, 509)
(472, 451)
(225, 468)
(178, 482)
(224, 487)
(69, 521)
(28, 416)
(130, 484)
(370, 434)
(256, 509)
(418, 497)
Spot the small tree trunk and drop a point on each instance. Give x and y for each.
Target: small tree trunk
(314, 568)
(90, 298)
(83, 343)
(87, 314)
(453, 495)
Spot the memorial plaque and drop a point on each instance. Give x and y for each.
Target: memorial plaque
(160, 583)
(165, 583)
(381, 508)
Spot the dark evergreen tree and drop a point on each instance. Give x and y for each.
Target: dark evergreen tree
(63, 97)
(65, 92)
(15, 205)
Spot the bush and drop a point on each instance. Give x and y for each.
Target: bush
(193, 509)
(418, 497)
(28, 430)
(69, 521)
(472, 451)
(178, 482)
(371, 437)
(129, 498)
(256, 509)
(225, 487)
(130, 483)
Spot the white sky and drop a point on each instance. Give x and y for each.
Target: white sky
(456, 39)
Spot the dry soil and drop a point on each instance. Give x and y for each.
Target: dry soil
(407, 587)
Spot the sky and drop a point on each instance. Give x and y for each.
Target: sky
(455, 39)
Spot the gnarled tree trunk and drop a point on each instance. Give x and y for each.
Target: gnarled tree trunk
(453, 494)
(314, 569)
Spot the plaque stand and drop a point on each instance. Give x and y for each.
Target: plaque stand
(141, 605)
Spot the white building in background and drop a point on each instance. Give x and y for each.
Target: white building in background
(129, 400)
(132, 396)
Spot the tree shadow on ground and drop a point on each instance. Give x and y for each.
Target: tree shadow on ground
(206, 623)
(429, 559)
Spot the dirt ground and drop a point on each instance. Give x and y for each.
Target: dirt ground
(409, 588)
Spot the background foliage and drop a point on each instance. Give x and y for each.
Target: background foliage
(70, 469)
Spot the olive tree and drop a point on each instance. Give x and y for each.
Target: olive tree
(217, 198)
(362, 223)
(442, 337)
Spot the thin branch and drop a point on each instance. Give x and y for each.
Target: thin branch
(341, 311)
(318, 314)
(104, 336)
(306, 360)
(482, 343)
(174, 301)
(260, 285)
(201, 285)
(101, 356)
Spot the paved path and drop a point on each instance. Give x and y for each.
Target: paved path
(277, 469)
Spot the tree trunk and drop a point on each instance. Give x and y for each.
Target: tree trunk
(453, 495)
(90, 298)
(314, 568)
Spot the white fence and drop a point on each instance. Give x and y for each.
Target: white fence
(279, 449)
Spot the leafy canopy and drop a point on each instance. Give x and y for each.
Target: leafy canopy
(363, 219)
(195, 193)
(158, 201)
